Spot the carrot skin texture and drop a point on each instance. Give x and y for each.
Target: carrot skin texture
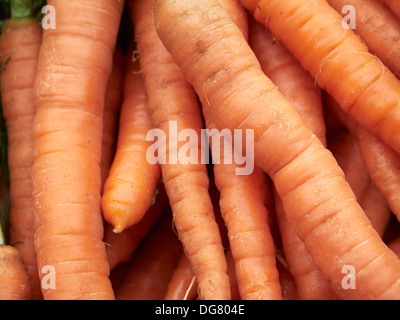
(295, 83)
(14, 279)
(172, 98)
(20, 42)
(346, 150)
(121, 246)
(309, 281)
(378, 27)
(304, 168)
(132, 181)
(338, 59)
(381, 161)
(152, 266)
(75, 63)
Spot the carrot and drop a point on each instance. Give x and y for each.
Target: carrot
(215, 58)
(374, 18)
(183, 284)
(338, 60)
(346, 150)
(394, 6)
(112, 106)
(132, 180)
(245, 215)
(295, 83)
(14, 279)
(75, 63)
(153, 264)
(238, 15)
(381, 161)
(121, 246)
(19, 50)
(309, 280)
(171, 99)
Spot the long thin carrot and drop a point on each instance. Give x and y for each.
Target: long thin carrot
(121, 246)
(381, 161)
(153, 264)
(378, 27)
(295, 83)
(394, 5)
(112, 106)
(75, 62)
(338, 59)
(251, 243)
(170, 99)
(132, 181)
(320, 205)
(19, 51)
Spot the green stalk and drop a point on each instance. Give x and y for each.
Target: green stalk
(21, 8)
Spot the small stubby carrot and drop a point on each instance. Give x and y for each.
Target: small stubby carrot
(112, 106)
(215, 58)
(19, 51)
(153, 264)
(121, 246)
(378, 27)
(346, 150)
(285, 71)
(14, 279)
(172, 99)
(309, 280)
(75, 62)
(394, 5)
(132, 180)
(381, 161)
(338, 59)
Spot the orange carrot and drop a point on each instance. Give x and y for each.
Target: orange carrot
(171, 99)
(112, 107)
(132, 180)
(19, 51)
(243, 209)
(289, 76)
(153, 264)
(121, 246)
(14, 279)
(309, 280)
(215, 58)
(346, 150)
(183, 284)
(378, 27)
(338, 59)
(238, 15)
(75, 62)
(381, 161)
(394, 5)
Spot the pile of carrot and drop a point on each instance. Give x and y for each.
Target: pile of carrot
(96, 204)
